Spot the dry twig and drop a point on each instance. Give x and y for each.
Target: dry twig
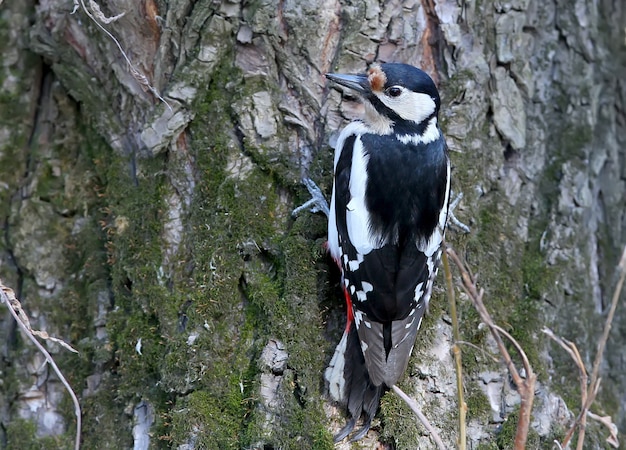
(572, 350)
(456, 349)
(588, 396)
(525, 385)
(7, 296)
(607, 422)
(413, 405)
(100, 17)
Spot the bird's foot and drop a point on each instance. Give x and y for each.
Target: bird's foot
(317, 202)
(452, 220)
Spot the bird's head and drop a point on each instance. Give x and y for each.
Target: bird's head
(396, 97)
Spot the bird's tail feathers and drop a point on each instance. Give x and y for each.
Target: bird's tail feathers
(349, 384)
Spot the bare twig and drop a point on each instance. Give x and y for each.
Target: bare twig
(518, 347)
(480, 349)
(100, 17)
(413, 405)
(589, 396)
(525, 385)
(607, 422)
(456, 349)
(595, 379)
(572, 350)
(476, 296)
(7, 296)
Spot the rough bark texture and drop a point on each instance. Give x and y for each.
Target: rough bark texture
(157, 239)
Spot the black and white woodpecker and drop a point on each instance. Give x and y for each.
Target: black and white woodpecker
(386, 225)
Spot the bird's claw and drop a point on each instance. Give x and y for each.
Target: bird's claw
(452, 220)
(317, 202)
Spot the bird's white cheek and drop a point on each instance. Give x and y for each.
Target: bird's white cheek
(411, 105)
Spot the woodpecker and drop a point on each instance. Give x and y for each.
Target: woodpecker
(386, 225)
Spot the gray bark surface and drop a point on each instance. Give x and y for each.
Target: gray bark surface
(155, 235)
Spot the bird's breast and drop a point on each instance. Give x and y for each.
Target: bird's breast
(405, 187)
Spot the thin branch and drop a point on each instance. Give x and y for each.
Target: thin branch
(572, 350)
(518, 347)
(136, 73)
(7, 296)
(525, 386)
(413, 405)
(526, 389)
(607, 422)
(621, 267)
(481, 350)
(476, 297)
(589, 397)
(456, 349)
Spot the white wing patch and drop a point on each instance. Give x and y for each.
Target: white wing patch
(357, 215)
(333, 234)
(356, 129)
(433, 244)
(443, 214)
(362, 294)
(353, 128)
(430, 263)
(358, 317)
(419, 291)
(354, 264)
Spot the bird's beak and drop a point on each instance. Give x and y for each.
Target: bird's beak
(359, 83)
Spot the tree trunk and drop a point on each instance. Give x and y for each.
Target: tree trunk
(146, 210)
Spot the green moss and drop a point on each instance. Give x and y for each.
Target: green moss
(505, 437)
(112, 423)
(478, 406)
(21, 435)
(246, 282)
(211, 424)
(240, 280)
(557, 434)
(400, 426)
(487, 446)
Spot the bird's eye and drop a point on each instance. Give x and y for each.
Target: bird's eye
(394, 91)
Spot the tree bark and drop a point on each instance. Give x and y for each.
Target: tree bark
(146, 210)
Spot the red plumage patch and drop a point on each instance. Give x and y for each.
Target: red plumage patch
(376, 77)
(350, 310)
